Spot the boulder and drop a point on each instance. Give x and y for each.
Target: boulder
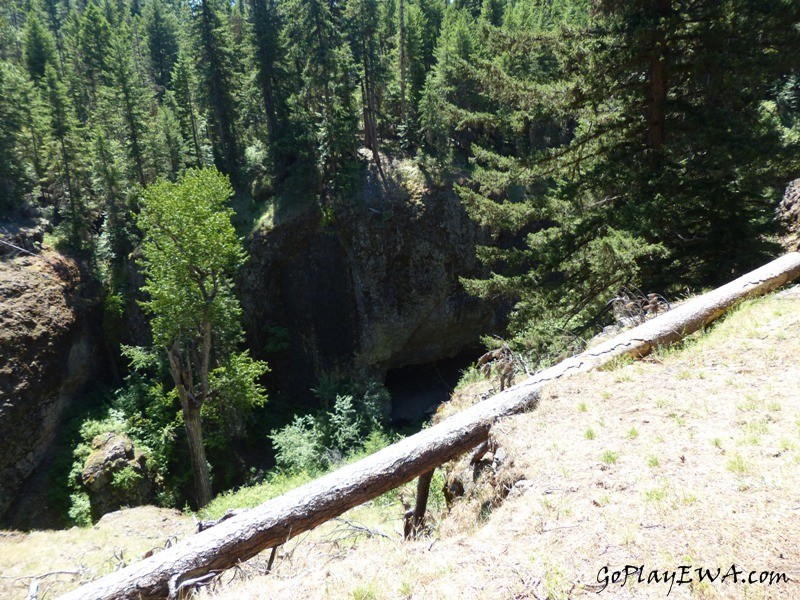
(115, 475)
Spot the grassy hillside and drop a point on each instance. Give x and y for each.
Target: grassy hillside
(691, 457)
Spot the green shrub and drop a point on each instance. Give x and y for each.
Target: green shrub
(297, 446)
(353, 417)
(80, 512)
(469, 376)
(126, 480)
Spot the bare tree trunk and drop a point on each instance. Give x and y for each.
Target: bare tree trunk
(277, 520)
(190, 405)
(658, 87)
(403, 106)
(421, 505)
(197, 453)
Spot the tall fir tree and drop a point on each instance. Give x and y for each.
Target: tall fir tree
(184, 87)
(12, 168)
(161, 29)
(133, 98)
(94, 41)
(215, 65)
(272, 80)
(363, 18)
(111, 183)
(40, 48)
(54, 11)
(65, 130)
(323, 104)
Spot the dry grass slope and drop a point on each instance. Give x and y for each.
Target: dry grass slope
(62, 560)
(691, 457)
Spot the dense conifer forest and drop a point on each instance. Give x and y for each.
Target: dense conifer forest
(599, 143)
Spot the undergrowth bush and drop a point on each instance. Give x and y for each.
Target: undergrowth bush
(353, 417)
(350, 424)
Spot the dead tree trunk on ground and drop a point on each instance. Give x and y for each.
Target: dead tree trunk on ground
(280, 519)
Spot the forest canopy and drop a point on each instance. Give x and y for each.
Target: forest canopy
(625, 141)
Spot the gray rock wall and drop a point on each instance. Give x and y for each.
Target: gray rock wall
(375, 287)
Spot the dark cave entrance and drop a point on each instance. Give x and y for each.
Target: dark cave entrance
(417, 390)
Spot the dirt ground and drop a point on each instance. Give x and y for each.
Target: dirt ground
(687, 461)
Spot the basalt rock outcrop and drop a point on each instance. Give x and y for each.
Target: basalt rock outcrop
(371, 288)
(46, 354)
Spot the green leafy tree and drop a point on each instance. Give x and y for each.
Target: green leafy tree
(190, 254)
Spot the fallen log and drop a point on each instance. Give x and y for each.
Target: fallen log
(277, 520)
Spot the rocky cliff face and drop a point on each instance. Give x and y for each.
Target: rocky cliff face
(45, 355)
(371, 289)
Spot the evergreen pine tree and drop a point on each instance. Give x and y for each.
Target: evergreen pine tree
(324, 107)
(364, 20)
(184, 86)
(672, 167)
(133, 98)
(12, 170)
(94, 41)
(452, 103)
(111, 183)
(36, 140)
(161, 29)
(65, 131)
(268, 51)
(215, 65)
(54, 10)
(40, 49)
